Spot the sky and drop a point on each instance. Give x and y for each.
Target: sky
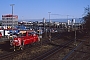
(38, 9)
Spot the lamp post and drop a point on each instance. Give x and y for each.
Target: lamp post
(12, 14)
(12, 18)
(49, 16)
(49, 27)
(68, 24)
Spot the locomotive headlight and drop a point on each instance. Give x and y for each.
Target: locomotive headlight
(19, 39)
(34, 34)
(15, 40)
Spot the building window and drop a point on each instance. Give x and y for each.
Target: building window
(3, 18)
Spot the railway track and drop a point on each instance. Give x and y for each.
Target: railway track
(55, 50)
(71, 51)
(11, 55)
(82, 52)
(52, 51)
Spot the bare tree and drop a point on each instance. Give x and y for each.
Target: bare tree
(87, 18)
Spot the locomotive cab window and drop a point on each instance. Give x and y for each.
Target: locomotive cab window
(22, 34)
(29, 34)
(33, 33)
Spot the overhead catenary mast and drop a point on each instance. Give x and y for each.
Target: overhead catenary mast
(12, 21)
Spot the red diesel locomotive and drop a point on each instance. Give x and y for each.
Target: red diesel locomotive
(0, 35)
(24, 38)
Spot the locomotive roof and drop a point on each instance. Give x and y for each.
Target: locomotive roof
(24, 31)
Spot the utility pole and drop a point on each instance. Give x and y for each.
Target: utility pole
(12, 18)
(49, 27)
(44, 28)
(44, 24)
(68, 25)
(75, 36)
(49, 16)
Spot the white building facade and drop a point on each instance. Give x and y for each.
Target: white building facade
(9, 20)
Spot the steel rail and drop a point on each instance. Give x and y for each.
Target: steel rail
(47, 54)
(75, 49)
(71, 52)
(64, 45)
(10, 54)
(54, 50)
(74, 56)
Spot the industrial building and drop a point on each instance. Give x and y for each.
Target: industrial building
(9, 20)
